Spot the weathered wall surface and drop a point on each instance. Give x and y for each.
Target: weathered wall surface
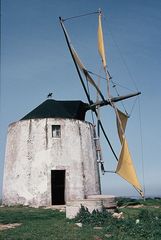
(32, 152)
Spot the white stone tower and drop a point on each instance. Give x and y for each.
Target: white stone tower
(50, 156)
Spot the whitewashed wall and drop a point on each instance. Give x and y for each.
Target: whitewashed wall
(31, 154)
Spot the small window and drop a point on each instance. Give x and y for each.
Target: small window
(56, 131)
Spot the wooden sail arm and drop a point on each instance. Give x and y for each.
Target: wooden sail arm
(76, 66)
(114, 99)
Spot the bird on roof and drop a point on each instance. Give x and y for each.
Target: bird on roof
(49, 95)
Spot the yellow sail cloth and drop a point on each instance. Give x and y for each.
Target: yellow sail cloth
(125, 167)
(83, 69)
(101, 48)
(121, 120)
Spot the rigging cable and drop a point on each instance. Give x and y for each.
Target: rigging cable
(82, 15)
(132, 108)
(122, 58)
(142, 152)
(116, 83)
(114, 86)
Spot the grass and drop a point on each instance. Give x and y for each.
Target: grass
(47, 224)
(39, 224)
(132, 202)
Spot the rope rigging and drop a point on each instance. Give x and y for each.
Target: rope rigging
(142, 152)
(114, 82)
(78, 16)
(121, 56)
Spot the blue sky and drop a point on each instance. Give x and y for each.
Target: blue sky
(35, 61)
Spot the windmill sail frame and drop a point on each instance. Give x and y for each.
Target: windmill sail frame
(125, 167)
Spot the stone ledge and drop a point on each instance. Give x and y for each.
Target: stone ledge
(73, 207)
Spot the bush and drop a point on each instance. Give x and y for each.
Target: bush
(127, 202)
(95, 218)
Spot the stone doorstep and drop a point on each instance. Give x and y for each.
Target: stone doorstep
(108, 201)
(98, 196)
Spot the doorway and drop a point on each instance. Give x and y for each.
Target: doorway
(58, 187)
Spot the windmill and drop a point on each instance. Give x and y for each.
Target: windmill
(125, 167)
(52, 149)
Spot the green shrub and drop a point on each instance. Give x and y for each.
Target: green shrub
(126, 201)
(95, 218)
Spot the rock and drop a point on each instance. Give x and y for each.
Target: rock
(108, 235)
(97, 238)
(97, 228)
(137, 221)
(79, 224)
(118, 215)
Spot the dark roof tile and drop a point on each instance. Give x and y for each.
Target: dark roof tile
(59, 109)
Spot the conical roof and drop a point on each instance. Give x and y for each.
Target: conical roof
(59, 109)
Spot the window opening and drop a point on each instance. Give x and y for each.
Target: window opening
(56, 131)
